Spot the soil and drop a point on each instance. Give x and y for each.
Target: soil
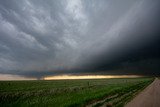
(149, 97)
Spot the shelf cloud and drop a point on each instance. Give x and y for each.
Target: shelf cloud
(116, 37)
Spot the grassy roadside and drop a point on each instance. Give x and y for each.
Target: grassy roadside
(65, 92)
(122, 96)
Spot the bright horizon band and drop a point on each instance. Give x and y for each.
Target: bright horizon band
(61, 77)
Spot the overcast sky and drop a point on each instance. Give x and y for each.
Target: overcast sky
(51, 37)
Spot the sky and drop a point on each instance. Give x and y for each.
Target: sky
(40, 38)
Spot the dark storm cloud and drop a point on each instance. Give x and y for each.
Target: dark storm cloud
(39, 38)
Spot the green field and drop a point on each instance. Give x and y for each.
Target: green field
(72, 93)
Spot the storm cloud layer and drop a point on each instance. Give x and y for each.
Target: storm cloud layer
(47, 37)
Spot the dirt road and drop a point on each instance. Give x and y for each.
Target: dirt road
(149, 97)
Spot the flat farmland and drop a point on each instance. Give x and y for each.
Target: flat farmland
(71, 93)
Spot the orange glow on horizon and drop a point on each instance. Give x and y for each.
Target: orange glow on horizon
(61, 77)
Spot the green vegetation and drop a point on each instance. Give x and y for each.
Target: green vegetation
(63, 93)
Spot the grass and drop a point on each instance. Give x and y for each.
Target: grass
(69, 93)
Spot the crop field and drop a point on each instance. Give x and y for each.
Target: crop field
(71, 93)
